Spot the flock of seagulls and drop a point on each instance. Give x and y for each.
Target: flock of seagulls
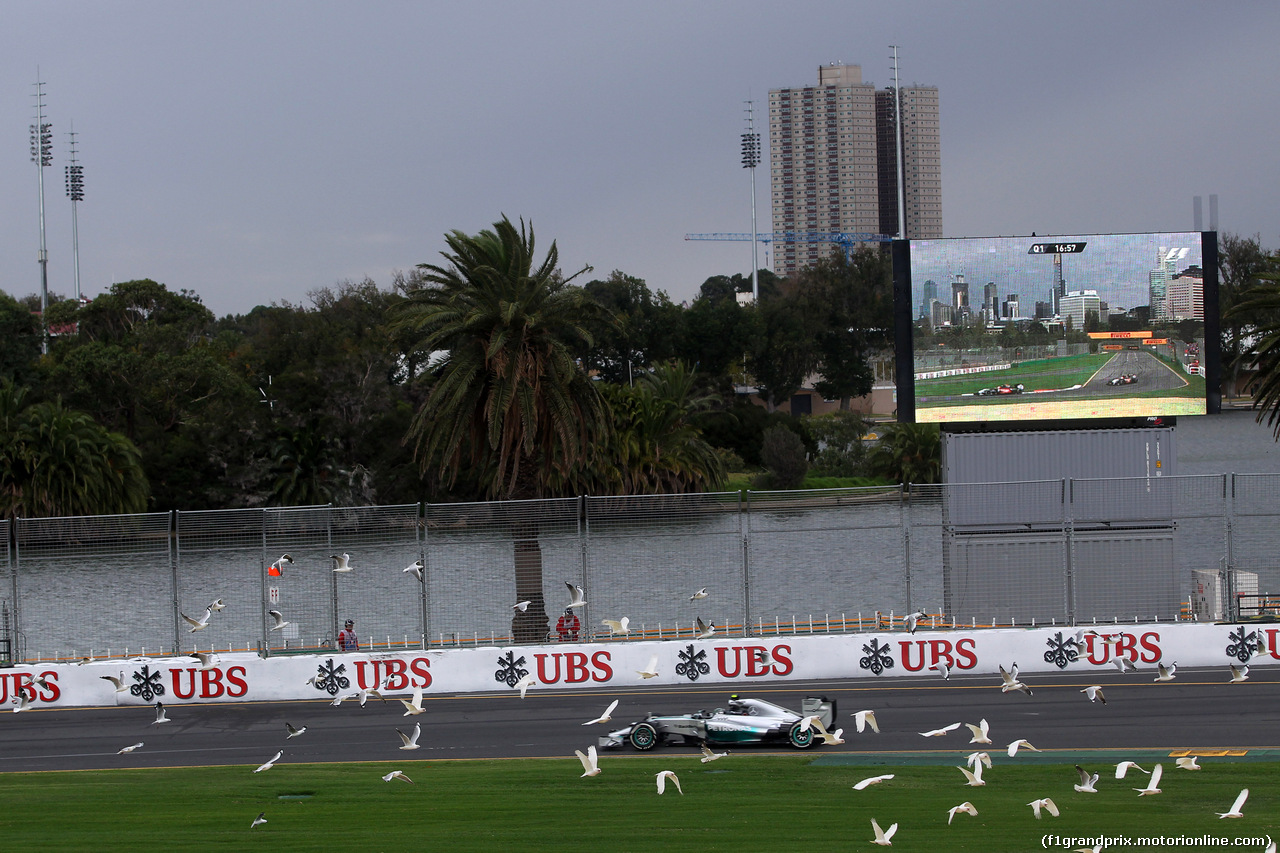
(622, 626)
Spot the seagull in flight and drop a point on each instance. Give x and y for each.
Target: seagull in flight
(206, 659)
(271, 763)
(525, 683)
(279, 620)
(911, 620)
(762, 657)
(702, 593)
(981, 732)
(217, 604)
(119, 684)
(1124, 665)
(973, 759)
(23, 700)
(293, 730)
(1011, 681)
(606, 716)
(943, 670)
(410, 742)
(590, 764)
(342, 562)
(1153, 784)
(708, 755)
(1187, 763)
(1087, 781)
(862, 719)
(617, 626)
(662, 778)
(413, 707)
(261, 818)
(1125, 766)
(521, 606)
(1094, 692)
(650, 671)
(129, 748)
(974, 776)
(703, 629)
(160, 715)
(1237, 806)
(577, 595)
(813, 722)
(1239, 674)
(883, 836)
(340, 698)
(966, 807)
(1167, 673)
(197, 624)
(416, 568)
(1020, 743)
(279, 564)
(396, 774)
(1044, 803)
(940, 732)
(872, 780)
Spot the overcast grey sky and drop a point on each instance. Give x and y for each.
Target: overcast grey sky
(254, 151)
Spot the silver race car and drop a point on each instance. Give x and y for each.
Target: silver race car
(743, 721)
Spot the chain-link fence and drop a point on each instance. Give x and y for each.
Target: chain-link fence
(1053, 551)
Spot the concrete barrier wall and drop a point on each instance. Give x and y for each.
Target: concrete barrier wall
(1039, 653)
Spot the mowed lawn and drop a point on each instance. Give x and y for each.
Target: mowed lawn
(1050, 373)
(738, 803)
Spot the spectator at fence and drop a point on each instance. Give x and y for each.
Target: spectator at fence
(567, 627)
(347, 641)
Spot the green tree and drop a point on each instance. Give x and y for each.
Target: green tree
(1263, 353)
(19, 341)
(786, 353)
(783, 454)
(908, 453)
(643, 330)
(1242, 265)
(839, 439)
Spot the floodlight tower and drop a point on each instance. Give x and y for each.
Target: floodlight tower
(42, 155)
(75, 192)
(751, 159)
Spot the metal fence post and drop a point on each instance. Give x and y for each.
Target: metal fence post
(424, 554)
(1069, 543)
(173, 576)
(744, 532)
(904, 519)
(1231, 605)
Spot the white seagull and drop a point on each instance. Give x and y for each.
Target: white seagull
(762, 657)
(872, 780)
(410, 742)
(973, 759)
(911, 620)
(1123, 664)
(525, 683)
(396, 774)
(1153, 784)
(1087, 781)
(942, 669)
(662, 778)
(1167, 673)
(206, 659)
(197, 624)
(862, 719)
(1187, 763)
(940, 732)
(217, 604)
(1020, 743)
(974, 776)
(981, 732)
(160, 715)
(338, 700)
(966, 807)
(1044, 803)
(416, 568)
(1125, 766)
(343, 562)
(703, 629)
(708, 755)
(1094, 692)
(279, 564)
(279, 620)
(590, 764)
(617, 626)
(522, 606)
(702, 593)
(1239, 674)
(1236, 806)
(119, 684)
(413, 707)
(271, 763)
(606, 716)
(129, 748)
(883, 836)
(22, 700)
(577, 595)
(261, 818)
(650, 671)
(294, 731)
(1011, 681)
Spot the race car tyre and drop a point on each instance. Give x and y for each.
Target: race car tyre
(643, 737)
(801, 739)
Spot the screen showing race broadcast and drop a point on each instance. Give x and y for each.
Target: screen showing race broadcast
(1058, 328)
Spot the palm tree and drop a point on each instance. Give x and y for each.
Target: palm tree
(909, 453)
(510, 401)
(1259, 313)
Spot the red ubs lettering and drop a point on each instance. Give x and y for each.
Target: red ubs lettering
(576, 667)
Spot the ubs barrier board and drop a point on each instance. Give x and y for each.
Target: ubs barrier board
(727, 661)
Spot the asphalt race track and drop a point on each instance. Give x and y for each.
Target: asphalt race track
(1198, 711)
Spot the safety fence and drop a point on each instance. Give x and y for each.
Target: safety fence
(772, 563)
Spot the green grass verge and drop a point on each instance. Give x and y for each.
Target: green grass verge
(740, 803)
(1050, 372)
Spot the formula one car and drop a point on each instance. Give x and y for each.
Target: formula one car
(743, 721)
(1123, 379)
(1009, 389)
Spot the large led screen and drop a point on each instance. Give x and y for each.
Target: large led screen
(1061, 328)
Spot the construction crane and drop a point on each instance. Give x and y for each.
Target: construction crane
(845, 239)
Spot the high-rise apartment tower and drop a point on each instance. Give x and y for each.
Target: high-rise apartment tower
(833, 162)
